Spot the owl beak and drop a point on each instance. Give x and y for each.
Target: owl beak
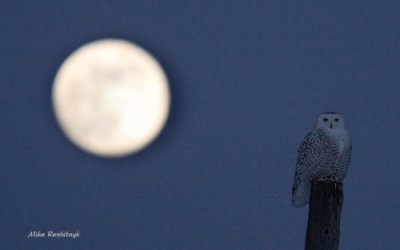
(331, 125)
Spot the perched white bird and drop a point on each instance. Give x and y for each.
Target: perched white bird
(324, 155)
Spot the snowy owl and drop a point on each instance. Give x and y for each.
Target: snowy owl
(324, 154)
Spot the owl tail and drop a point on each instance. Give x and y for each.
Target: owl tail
(301, 194)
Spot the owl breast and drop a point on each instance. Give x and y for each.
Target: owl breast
(341, 139)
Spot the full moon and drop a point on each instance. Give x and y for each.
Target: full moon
(111, 97)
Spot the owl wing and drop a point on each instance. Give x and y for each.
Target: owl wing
(316, 153)
(305, 156)
(347, 159)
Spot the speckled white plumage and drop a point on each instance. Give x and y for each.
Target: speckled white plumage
(324, 154)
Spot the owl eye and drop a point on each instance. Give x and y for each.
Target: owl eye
(336, 119)
(325, 119)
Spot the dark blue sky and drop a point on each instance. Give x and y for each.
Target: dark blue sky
(248, 79)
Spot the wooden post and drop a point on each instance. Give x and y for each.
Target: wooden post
(325, 209)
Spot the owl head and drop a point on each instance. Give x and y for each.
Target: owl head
(330, 121)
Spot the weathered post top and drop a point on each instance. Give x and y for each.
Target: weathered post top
(325, 208)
